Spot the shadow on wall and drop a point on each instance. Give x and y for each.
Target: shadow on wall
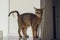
(1, 34)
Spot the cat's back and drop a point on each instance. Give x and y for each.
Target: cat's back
(28, 15)
(28, 18)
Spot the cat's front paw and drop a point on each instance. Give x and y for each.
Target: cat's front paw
(35, 37)
(26, 36)
(20, 37)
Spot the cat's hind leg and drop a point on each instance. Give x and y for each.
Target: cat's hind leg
(34, 31)
(24, 31)
(19, 30)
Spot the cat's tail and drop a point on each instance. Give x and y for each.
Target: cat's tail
(14, 12)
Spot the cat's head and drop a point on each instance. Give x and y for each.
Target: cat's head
(38, 11)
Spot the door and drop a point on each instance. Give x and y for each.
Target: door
(48, 20)
(57, 17)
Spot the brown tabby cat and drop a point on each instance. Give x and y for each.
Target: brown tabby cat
(29, 19)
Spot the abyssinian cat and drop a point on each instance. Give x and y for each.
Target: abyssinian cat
(28, 19)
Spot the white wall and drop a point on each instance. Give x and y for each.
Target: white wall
(22, 6)
(4, 17)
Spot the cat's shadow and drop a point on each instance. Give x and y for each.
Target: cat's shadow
(29, 39)
(23, 38)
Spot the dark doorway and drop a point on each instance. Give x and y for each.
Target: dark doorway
(54, 23)
(56, 3)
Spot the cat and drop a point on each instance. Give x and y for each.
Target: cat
(28, 19)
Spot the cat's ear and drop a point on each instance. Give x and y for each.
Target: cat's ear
(42, 8)
(35, 8)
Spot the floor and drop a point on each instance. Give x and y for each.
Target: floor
(17, 38)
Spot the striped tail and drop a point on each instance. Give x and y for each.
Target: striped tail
(14, 12)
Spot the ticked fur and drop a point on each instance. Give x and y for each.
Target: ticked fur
(29, 19)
